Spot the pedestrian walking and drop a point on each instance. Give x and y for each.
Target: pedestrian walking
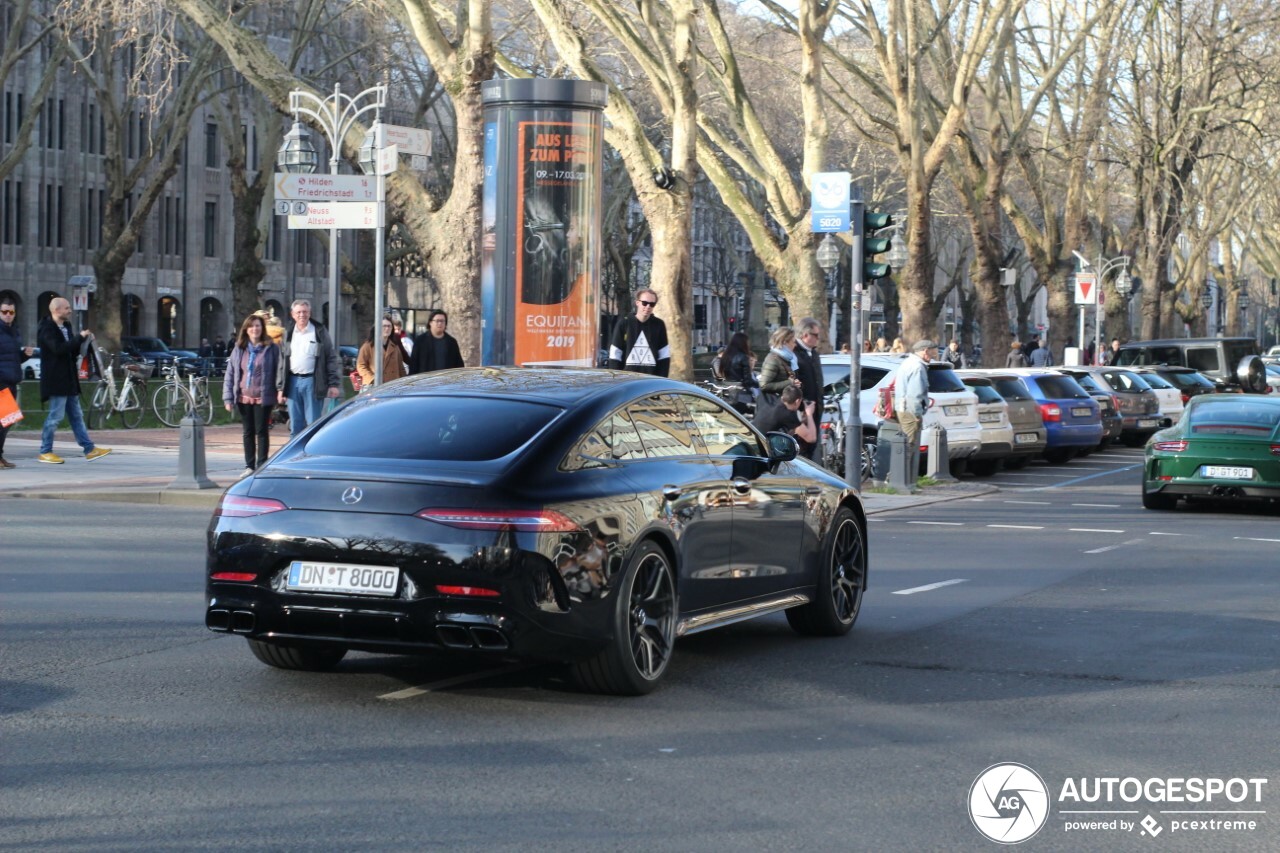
(12, 354)
(405, 340)
(219, 347)
(1113, 353)
(1015, 358)
(60, 382)
(898, 346)
(911, 398)
(1040, 356)
(881, 345)
(249, 386)
(808, 359)
(395, 361)
(639, 341)
(953, 356)
(779, 369)
(435, 349)
(737, 364)
(310, 370)
(790, 413)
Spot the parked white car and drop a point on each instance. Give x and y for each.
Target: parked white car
(31, 367)
(997, 429)
(1170, 398)
(952, 405)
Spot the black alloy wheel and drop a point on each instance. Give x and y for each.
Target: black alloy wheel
(296, 657)
(983, 467)
(1157, 500)
(838, 593)
(639, 652)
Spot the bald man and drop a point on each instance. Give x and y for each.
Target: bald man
(59, 381)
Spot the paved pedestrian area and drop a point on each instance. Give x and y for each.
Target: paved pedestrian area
(143, 468)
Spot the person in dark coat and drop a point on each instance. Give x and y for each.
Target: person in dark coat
(808, 336)
(60, 383)
(310, 370)
(435, 349)
(739, 367)
(250, 386)
(12, 353)
(1015, 358)
(639, 342)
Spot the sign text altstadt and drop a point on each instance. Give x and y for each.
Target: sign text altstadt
(324, 215)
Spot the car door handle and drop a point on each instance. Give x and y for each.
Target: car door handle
(741, 485)
(671, 492)
(812, 490)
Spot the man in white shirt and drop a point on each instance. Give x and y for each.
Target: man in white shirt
(911, 398)
(309, 366)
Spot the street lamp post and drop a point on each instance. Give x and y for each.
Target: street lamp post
(829, 259)
(335, 116)
(1206, 300)
(1103, 267)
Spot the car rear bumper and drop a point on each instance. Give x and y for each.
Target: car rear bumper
(1071, 435)
(1221, 490)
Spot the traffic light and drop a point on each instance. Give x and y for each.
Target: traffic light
(733, 321)
(873, 245)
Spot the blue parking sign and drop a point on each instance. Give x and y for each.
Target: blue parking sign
(829, 202)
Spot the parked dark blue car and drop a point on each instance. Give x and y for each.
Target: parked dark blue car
(1072, 418)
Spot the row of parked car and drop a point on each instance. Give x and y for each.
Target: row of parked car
(1008, 417)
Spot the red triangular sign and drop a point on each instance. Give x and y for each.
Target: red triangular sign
(1085, 284)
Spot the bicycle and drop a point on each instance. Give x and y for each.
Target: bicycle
(174, 400)
(833, 442)
(129, 400)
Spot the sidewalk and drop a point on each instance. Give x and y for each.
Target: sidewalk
(144, 462)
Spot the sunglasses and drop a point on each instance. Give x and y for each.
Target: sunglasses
(10, 313)
(646, 302)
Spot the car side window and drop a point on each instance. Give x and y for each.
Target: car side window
(615, 437)
(723, 432)
(871, 376)
(1203, 358)
(1165, 355)
(664, 428)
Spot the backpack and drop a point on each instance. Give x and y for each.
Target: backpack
(884, 406)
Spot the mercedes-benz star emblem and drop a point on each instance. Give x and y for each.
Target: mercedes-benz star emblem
(352, 495)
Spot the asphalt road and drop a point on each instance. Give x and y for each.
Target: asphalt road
(1056, 624)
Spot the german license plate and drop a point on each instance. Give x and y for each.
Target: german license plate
(1148, 422)
(1226, 472)
(1025, 438)
(343, 578)
(956, 411)
(989, 418)
(1082, 411)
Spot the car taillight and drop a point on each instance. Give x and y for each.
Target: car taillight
(469, 591)
(1050, 412)
(1275, 450)
(535, 520)
(1186, 398)
(1115, 403)
(1171, 446)
(243, 577)
(239, 506)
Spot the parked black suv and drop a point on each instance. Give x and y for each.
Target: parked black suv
(1216, 358)
(156, 353)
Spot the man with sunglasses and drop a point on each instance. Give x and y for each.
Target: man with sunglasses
(809, 371)
(12, 352)
(640, 341)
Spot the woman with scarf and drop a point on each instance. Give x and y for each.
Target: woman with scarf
(395, 358)
(780, 365)
(250, 386)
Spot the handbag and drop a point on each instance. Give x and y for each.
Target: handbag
(10, 414)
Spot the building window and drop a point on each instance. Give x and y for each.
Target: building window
(211, 145)
(210, 229)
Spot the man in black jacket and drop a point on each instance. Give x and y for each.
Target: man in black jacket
(809, 361)
(310, 370)
(639, 342)
(60, 382)
(435, 349)
(12, 352)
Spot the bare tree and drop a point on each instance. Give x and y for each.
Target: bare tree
(28, 33)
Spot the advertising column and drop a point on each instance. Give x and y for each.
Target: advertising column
(540, 253)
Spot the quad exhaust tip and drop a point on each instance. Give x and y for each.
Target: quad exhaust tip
(230, 621)
(453, 636)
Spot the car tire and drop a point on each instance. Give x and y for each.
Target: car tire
(1156, 500)
(838, 593)
(1058, 455)
(983, 467)
(302, 658)
(644, 629)
(1017, 463)
(29, 373)
(1132, 440)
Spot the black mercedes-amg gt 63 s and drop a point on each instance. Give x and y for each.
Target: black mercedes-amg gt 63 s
(591, 517)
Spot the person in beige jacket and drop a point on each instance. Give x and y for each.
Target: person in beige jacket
(395, 361)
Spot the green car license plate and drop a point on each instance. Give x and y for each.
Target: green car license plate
(1226, 472)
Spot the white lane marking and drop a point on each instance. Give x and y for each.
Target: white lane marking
(1085, 468)
(410, 692)
(1113, 547)
(928, 587)
(1157, 533)
(1092, 530)
(1252, 539)
(1016, 526)
(941, 523)
(1103, 506)
(1032, 503)
(1031, 474)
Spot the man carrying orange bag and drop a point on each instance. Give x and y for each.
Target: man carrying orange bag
(12, 353)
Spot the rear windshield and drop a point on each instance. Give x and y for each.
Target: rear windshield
(1088, 383)
(986, 394)
(1060, 388)
(425, 428)
(1155, 381)
(835, 377)
(1125, 380)
(1240, 415)
(1189, 380)
(943, 380)
(1012, 389)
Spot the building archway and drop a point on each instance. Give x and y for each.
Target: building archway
(169, 320)
(213, 319)
(276, 309)
(130, 315)
(42, 303)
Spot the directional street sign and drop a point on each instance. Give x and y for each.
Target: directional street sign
(1086, 288)
(326, 187)
(388, 159)
(324, 215)
(829, 202)
(411, 140)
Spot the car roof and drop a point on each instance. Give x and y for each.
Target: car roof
(1182, 342)
(556, 385)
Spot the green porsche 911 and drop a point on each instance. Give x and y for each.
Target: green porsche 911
(1225, 446)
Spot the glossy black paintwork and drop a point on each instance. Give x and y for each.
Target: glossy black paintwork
(740, 528)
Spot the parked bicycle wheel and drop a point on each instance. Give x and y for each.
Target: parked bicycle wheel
(99, 407)
(132, 403)
(204, 402)
(172, 402)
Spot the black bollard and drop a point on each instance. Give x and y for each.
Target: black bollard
(191, 461)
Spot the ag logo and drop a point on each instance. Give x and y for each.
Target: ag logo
(1008, 803)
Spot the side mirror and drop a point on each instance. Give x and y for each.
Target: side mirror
(1251, 373)
(782, 447)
